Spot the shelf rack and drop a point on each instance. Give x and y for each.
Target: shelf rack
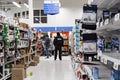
(109, 28)
(10, 55)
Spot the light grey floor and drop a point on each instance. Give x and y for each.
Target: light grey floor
(48, 69)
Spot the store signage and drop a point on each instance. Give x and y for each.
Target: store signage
(51, 8)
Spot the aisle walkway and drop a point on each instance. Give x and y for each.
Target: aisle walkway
(48, 69)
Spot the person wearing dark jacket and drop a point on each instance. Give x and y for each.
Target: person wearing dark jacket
(47, 46)
(58, 43)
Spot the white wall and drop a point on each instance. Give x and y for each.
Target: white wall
(69, 11)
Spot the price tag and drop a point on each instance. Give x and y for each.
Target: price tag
(117, 17)
(115, 66)
(105, 61)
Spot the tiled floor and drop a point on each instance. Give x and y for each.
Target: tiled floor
(48, 69)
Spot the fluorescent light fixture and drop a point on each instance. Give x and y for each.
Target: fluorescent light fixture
(60, 4)
(26, 5)
(16, 4)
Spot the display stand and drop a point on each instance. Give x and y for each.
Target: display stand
(17, 49)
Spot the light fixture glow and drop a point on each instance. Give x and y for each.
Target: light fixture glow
(59, 4)
(26, 5)
(16, 4)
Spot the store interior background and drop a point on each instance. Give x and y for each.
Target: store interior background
(64, 22)
(69, 11)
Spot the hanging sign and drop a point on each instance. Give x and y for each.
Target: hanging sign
(51, 8)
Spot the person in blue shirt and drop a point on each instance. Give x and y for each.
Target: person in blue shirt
(47, 46)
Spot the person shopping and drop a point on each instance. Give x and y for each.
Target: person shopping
(58, 43)
(47, 46)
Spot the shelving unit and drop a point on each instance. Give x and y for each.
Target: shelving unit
(65, 48)
(13, 52)
(111, 26)
(112, 59)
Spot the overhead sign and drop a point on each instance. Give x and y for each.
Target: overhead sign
(51, 8)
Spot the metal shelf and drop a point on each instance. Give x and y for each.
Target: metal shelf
(6, 77)
(22, 46)
(33, 45)
(110, 27)
(16, 47)
(24, 38)
(9, 62)
(22, 29)
(111, 57)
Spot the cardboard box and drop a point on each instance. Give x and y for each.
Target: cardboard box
(37, 59)
(19, 66)
(18, 73)
(22, 66)
(33, 63)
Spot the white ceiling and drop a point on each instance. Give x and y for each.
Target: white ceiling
(107, 4)
(8, 3)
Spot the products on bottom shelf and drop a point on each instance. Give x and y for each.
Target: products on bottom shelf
(18, 73)
(39, 47)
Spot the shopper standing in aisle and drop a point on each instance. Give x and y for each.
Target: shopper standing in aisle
(47, 46)
(84, 77)
(58, 43)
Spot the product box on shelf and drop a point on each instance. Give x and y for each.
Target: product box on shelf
(37, 59)
(24, 25)
(18, 73)
(33, 63)
(21, 66)
(23, 51)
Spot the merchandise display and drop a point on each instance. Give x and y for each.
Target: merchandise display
(15, 45)
(90, 31)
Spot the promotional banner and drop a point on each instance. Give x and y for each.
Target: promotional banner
(89, 14)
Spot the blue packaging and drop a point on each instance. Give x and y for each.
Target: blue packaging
(95, 72)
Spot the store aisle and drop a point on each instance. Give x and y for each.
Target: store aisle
(48, 69)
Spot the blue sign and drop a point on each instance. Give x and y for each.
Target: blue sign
(51, 8)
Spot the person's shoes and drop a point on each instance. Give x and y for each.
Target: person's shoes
(47, 57)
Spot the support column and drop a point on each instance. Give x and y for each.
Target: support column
(31, 12)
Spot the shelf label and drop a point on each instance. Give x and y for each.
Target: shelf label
(115, 66)
(105, 61)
